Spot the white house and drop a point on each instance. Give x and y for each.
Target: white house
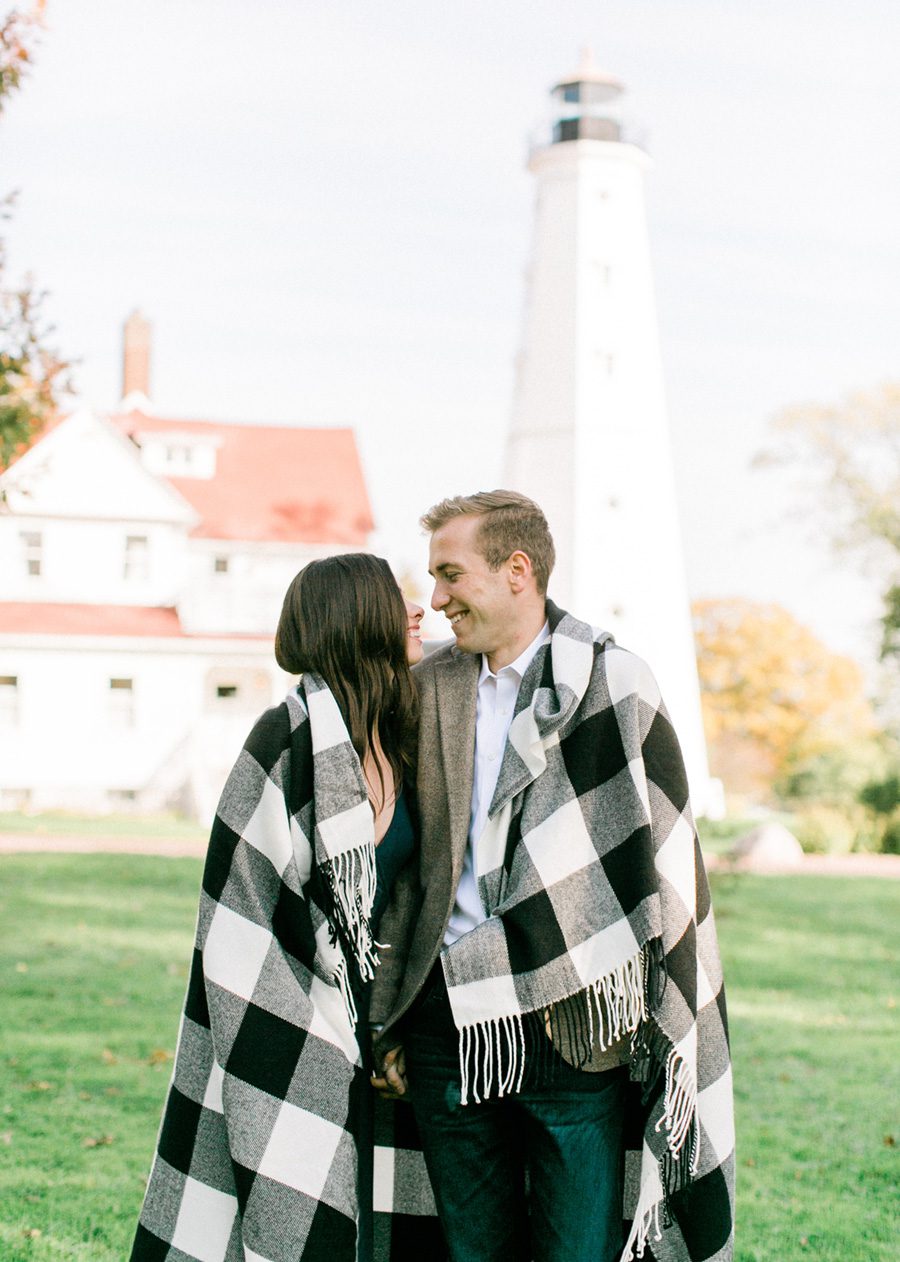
(143, 561)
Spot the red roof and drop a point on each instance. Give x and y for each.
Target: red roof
(46, 618)
(272, 483)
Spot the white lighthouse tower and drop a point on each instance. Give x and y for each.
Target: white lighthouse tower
(589, 437)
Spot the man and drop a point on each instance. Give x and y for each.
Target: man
(561, 1006)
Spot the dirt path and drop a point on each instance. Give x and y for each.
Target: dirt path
(33, 843)
(818, 865)
(178, 847)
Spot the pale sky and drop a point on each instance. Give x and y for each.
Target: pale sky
(325, 212)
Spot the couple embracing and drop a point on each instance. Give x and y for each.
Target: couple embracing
(456, 991)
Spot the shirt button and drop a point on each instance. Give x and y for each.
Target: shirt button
(492, 757)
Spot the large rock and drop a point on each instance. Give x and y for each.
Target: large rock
(769, 845)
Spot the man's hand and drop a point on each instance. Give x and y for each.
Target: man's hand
(392, 1083)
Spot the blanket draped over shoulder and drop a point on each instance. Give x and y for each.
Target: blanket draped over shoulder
(257, 1154)
(600, 926)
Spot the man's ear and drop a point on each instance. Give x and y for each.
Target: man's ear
(519, 570)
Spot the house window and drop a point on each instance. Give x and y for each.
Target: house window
(122, 797)
(9, 700)
(121, 702)
(32, 544)
(137, 558)
(220, 565)
(226, 692)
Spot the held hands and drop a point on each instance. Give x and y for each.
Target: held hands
(392, 1083)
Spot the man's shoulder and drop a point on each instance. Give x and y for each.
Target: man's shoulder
(625, 671)
(437, 656)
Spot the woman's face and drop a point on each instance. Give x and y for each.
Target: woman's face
(414, 615)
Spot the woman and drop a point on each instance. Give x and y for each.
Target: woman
(266, 1146)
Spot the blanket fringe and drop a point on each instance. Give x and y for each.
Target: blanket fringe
(679, 1162)
(351, 878)
(645, 1221)
(492, 1053)
(680, 1110)
(342, 977)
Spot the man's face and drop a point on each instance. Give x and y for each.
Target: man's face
(477, 600)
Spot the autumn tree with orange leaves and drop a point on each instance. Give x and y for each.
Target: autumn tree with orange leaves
(31, 374)
(773, 695)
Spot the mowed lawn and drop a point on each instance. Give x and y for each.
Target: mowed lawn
(93, 968)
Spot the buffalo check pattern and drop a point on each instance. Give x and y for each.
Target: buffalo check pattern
(600, 926)
(257, 1154)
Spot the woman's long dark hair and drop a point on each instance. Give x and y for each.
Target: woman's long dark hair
(344, 618)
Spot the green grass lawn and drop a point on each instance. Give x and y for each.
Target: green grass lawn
(93, 968)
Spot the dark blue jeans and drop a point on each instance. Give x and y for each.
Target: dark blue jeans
(534, 1177)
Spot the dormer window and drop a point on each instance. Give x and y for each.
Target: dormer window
(179, 455)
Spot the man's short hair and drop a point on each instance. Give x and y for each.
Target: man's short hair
(510, 523)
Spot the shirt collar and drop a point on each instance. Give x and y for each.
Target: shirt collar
(522, 662)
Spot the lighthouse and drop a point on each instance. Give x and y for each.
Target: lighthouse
(589, 436)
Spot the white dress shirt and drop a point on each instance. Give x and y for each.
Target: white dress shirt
(494, 707)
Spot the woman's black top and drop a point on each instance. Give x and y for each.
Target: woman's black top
(391, 853)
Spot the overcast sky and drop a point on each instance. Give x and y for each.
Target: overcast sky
(325, 212)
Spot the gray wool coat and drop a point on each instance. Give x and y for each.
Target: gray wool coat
(415, 923)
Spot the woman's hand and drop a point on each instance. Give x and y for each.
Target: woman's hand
(392, 1083)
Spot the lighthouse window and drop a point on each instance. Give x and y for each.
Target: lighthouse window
(220, 565)
(226, 692)
(570, 92)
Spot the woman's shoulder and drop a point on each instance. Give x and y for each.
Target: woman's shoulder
(274, 730)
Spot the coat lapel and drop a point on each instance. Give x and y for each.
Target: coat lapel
(456, 686)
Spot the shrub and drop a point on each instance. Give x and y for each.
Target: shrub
(829, 830)
(890, 838)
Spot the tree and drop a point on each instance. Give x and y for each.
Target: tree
(32, 375)
(851, 451)
(773, 695)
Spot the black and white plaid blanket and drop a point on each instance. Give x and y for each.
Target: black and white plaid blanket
(600, 926)
(257, 1154)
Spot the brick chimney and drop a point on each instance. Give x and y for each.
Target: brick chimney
(136, 356)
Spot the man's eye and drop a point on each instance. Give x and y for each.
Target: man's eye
(451, 578)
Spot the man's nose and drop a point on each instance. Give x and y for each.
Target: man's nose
(439, 598)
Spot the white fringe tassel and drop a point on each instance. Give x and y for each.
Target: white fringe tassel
(618, 1000)
(354, 876)
(646, 1219)
(679, 1107)
(495, 1049)
(342, 977)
